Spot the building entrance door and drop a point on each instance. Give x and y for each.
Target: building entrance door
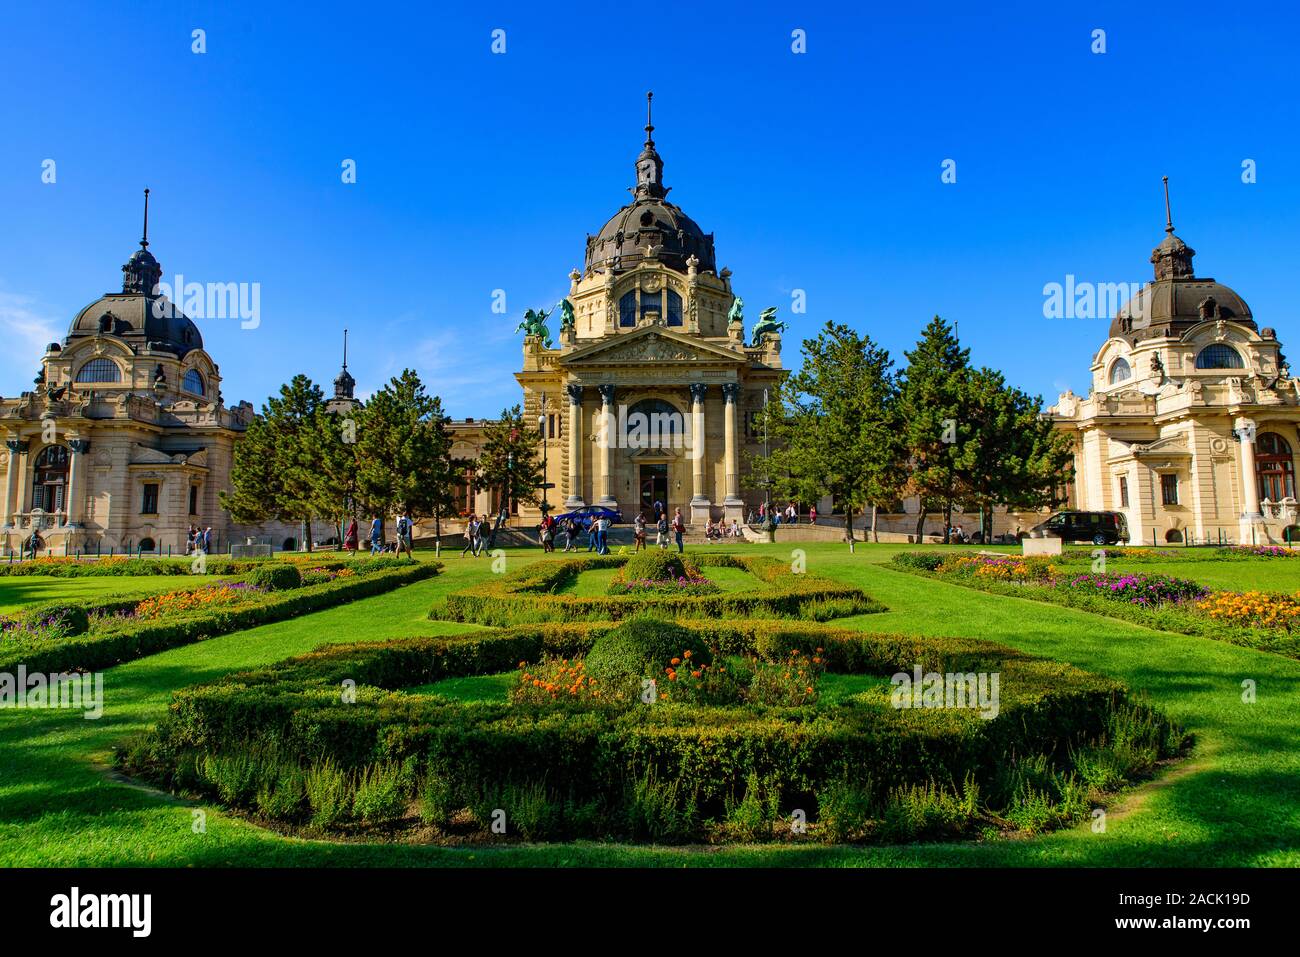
(654, 487)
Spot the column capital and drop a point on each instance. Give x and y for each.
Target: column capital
(1244, 430)
(606, 393)
(698, 391)
(79, 446)
(575, 393)
(731, 392)
(18, 446)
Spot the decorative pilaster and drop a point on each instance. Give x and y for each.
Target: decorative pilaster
(699, 442)
(732, 504)
(1245, 432)
(605, 440)
(16, 484)
(575, 446)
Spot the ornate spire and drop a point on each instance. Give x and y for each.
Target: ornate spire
(1173, 257)
(649, 165)
(141, 273)
(344, 384)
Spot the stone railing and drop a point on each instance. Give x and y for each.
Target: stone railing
(1286, 510)
(40, 520)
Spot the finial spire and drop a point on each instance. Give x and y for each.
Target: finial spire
(144, 240)
(345, 349)
(649, 123)
(1169, 216)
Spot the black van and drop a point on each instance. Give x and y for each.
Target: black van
(1100, 528)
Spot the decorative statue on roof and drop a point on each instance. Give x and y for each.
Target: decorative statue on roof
(767, 325)
(737, 312)
(534, 324)
(567, 319)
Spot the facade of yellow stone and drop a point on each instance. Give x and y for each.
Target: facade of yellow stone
(1191, 425)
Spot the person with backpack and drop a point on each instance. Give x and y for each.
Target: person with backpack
(376, 536)
(638, 533)
(679, 529)
(661, 531)
(405, 530)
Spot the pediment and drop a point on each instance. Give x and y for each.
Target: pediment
(1172, 445)
(651, 344)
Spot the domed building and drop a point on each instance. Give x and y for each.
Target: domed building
(651, 333)
(125, 442)
(1190, 428)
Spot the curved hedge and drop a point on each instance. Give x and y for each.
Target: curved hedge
(533, 594)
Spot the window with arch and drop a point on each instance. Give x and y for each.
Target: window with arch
(193, 382)
(1120, 371)
(627, 310)
(654, 424)
(673, 310)
(1274, 467)
(1219, 356)
(99, 370)
(50, 478)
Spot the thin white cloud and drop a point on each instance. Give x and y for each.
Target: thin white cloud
(26, 330)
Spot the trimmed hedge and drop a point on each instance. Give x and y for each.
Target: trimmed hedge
(116, 644)
(277, 576)
(291, 717)
(531, 594)
(137, 567)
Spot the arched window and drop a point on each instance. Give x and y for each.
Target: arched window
(627, 310)
(1120, 371)
(50, 479)
(1174, 536)
(193, 382)
(1219, 356)
(146, 545)
(673, 314)
(99, 370)
(654, 424)
(1274, 467)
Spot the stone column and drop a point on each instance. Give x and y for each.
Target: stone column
(699, 446)
(1250, 516)
(72, 506)
(733, 505)
(11, 478)
(606, 439)
(575, 446)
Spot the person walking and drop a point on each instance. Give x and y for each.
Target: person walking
(547, 533)
(659, 509)
(571, 531)
(661, 531)
(679, 529)
(812, 515)
(405, 531)
(471, 535)
(207, 540)
(602, 536)
(376, 536)
(350, 536)
(638, 533)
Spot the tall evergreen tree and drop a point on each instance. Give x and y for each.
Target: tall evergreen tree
(277, 472)
(510, 462)
(936, 426)
(403, 451)
(834, 425)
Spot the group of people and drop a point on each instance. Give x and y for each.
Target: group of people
(663, 526)
(719, 530)
(198, 540)
(403, 543)
(788, 515)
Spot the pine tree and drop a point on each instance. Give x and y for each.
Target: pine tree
(835, 428)
(937, 430)
(510, 462)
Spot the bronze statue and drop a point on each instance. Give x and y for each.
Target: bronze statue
(767, 325)
(534, 324)
(737, 311)
(567, 319)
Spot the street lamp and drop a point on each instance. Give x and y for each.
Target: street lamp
(541, 427)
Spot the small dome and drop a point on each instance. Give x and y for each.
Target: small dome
(145, 321)
(622, 242)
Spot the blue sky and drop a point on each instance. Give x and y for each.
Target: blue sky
(479, 171)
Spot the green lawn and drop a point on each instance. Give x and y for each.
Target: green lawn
(1233, 803)
(19, 590)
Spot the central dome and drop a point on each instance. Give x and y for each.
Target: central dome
(635, 230)
(651, 227)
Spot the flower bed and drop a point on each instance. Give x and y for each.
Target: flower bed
(125, 566)
(1266, 622)
(563, 762)
(118, 634)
